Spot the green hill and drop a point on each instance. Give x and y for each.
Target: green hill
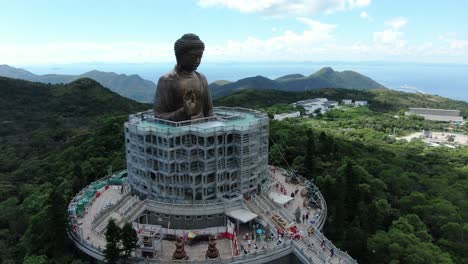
(41, 117)
(328, 78)
(388, 201)
(324, 78)
(289, 77)
(54, 139)
(381, 100)
(131, 86)
(257, 82)
(221, 82)
(139, 89)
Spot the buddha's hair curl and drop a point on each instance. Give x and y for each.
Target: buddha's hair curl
(187, 43)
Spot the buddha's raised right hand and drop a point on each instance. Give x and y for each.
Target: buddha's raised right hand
(189, 102)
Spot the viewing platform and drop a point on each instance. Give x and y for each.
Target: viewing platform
(193, 180)
(115, 201)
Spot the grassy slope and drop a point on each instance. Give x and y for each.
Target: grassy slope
(382, 100)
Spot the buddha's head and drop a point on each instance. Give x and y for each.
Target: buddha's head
(189, 51)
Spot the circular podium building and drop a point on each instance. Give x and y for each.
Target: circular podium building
(197, 178)
(205, 160)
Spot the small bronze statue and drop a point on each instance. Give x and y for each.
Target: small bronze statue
(212, 251)
(180, 252)
(183, 93)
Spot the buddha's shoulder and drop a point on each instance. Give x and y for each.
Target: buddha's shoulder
(169, 76)
(200, 74)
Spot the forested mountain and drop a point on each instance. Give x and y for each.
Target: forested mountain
(54, 139)
(381, 100)
(131, 86)
(324, 78)
(388, 201)
(257, 83)
(328, 78)
(139, 89)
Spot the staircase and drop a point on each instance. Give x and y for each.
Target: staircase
(101, 227)
(134, 211)
(311, 252)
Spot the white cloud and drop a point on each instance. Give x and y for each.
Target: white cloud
(364, 15)
(389, 37)
(316, 42)
(397, 22)
(391, 40)
(458, 44)
(287, 46)
(454, 43)
(287, 7)
(74, 52)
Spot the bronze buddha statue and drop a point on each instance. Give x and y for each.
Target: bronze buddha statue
(183, 93)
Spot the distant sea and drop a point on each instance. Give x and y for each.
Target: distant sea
(448, 80)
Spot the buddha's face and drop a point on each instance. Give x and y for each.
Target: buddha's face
(190, 60)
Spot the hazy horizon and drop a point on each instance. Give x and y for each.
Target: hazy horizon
(448, 80)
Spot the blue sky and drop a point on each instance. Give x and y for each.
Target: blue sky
(69, 31)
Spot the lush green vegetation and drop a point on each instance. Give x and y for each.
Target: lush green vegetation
(120, 242)
(389, 201)
(55, 139)
(281, 108)
(131, 86)
(380, 100)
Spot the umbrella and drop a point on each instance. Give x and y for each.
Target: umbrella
(191, 235)
(259, 231)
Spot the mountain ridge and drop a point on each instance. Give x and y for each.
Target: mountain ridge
(131, 86)
(324, 78)
(135, 87)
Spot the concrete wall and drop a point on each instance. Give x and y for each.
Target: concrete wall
(185, 222)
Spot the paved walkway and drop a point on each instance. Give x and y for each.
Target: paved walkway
(316, 246)
(313, 246)
(108, 197)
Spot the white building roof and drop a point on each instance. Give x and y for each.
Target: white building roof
(442, 118)
(279, 198)
(432, 111)
(242, 215)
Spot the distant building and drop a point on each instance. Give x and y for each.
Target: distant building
(280, 117)
(347, 101)
(321, 100)
(360, 103)
(330, 104)
(427, 134)
(442, 115)
(312, 105)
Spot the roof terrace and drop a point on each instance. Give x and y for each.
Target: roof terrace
(225, 118)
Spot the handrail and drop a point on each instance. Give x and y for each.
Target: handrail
(323, 215)
(261, 256)
(343, 255)
(261, 119)
(257, 202)
(101, 217)
(84, 245)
